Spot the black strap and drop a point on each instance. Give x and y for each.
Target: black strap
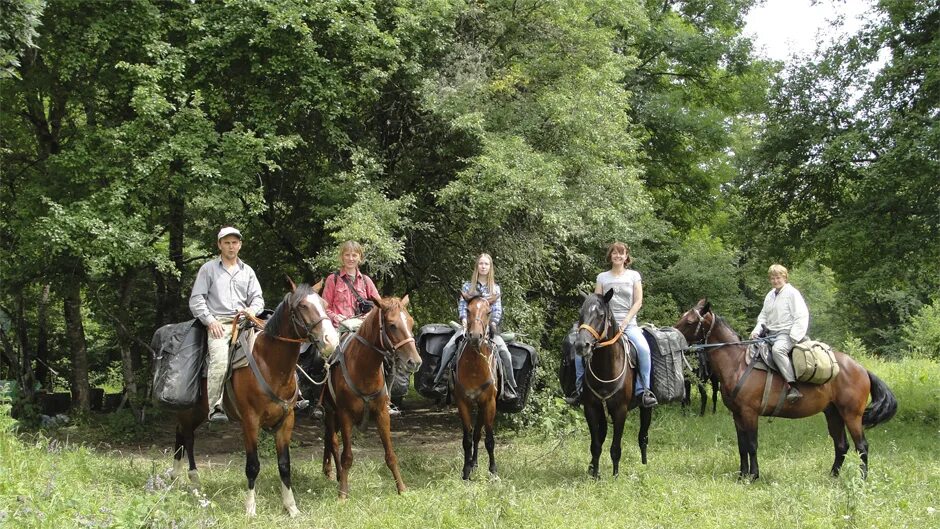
(286, 406)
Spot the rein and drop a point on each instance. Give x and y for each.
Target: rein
(601, 344)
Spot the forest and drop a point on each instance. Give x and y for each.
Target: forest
(537, 131)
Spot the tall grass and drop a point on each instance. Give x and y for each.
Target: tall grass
(54, 481)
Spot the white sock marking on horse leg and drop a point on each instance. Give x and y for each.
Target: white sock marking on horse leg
(179, 467)
(250, 503)
(287, 497)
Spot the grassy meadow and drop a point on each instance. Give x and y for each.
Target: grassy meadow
(52, 479)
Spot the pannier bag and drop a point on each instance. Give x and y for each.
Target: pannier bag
(667, 345)
(524, 361)
(431, 341)
(179, 353)
(814, 362)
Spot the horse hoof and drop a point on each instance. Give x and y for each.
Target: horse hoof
(402, 489)
(194, 477)
(494, 477)
(293, 511)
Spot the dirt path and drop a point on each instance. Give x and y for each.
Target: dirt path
(422, 425)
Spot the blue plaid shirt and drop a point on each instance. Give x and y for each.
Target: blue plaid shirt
(496, 312)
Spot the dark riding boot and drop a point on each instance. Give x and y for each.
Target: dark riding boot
(575, 398)
(793, 394)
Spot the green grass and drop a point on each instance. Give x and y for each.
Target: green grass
(690, 482)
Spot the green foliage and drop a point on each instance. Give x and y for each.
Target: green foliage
(18, 29)
(922, 331)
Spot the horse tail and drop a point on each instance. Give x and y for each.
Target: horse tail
(883, 404)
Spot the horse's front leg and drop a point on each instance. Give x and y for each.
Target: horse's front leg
(252, 463)
(744, 470)
(463, 410)
(597, 424)
(385, 433)
(746, 425)
(643, 437)
(282, 444)
(485, 419)
(342, 470)
(619, 417)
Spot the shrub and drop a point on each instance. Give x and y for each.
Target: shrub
(922, 331)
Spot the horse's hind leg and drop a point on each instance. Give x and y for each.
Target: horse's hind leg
(485, 418)
(837, 432)
(385, 433)
(857, 431)
(179, 466)
(463, 410)
(342, 470)
(747, 445)
(330, 446)
(643, 438)
(282, 444)
(597, 424)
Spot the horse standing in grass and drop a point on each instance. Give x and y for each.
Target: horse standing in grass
(843, 399)
(608, 380)
(264, 395)
(357, 386)
(476, 383)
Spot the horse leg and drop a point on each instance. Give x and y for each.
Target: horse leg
(597, 424)
(186, 425)
(342, 470)
(385, 433)
(837, 432)
(704, 393)
(252, 463)
(857, 431)
(646, 418)
(746, 428)
(330, 445)
(179, 466)
(619, 416)
(282, 444)
(487, 416)
(463, 410)
(714, 396)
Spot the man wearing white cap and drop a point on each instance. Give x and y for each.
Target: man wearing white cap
(224, 287)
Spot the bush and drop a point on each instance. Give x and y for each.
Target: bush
(922, 331)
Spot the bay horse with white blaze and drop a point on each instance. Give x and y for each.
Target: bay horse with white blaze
(357, 389)
(476, 383)
(608, 380)
(843, 399)
(264, 395)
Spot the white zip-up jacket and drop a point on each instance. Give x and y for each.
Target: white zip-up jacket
(784, 312)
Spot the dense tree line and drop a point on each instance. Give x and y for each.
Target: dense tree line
(431, 131)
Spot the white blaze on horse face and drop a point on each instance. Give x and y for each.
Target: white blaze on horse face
(327, 332)
(404, 324)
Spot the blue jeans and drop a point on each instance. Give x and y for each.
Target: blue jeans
(635, 334)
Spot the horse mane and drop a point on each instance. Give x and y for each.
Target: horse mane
(276, 320)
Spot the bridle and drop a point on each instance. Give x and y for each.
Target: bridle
(479, 319)
(597, 344)
(700, 323)
(389, 347)
(295, 322)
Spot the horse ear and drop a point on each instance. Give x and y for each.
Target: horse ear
(707, 307)
(465, 295)
(583, 294)
(376, 299)
(318, 286)
(290, 283)
(404, 301)
(608, 296)
(493, 299)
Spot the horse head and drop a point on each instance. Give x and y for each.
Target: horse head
(696, 324)
(308, 318)
(478, 317)
(595, 322)
(396, 326)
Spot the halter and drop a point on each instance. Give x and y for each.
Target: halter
(309, 336)
(701, 320)
(601, 344)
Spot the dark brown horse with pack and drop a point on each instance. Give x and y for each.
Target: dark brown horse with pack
(357, 388)
(263, 394)
(749, 393)
(608, 380)
(476, 382)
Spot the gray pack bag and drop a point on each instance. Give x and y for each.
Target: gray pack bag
(430, 342)
(667, 345)
(179, 353)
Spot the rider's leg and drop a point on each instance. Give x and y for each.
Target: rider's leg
(218, 365)
(509, 377)
(635, 335)
(447, 355)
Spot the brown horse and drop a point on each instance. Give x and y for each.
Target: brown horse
(843, 399)
(476, 383)
(264, 395)
(608, 380)
(357, 385)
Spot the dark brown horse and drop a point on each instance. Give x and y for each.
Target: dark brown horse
(476, 383)
(265, 398)
(608, 380)
(843, 399)
(357, 385)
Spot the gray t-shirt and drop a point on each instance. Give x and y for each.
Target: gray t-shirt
(623, 292)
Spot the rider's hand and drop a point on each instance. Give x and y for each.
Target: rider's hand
(463, 323)
(340, 317)
(754, 335)
(216, 330)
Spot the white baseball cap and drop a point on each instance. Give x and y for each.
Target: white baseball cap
(228, 230)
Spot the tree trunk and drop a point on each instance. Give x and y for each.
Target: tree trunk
(126, 341)
(176, 224)
(75, 332)
(42, 340)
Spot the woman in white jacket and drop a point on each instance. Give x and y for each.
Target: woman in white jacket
(786, 318)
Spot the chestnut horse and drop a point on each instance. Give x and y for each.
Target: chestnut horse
(843, 399)
(264, 395)
(476, 383)
(608, 380)
(356, 382)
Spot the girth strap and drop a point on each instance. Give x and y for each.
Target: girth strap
(285, 405)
